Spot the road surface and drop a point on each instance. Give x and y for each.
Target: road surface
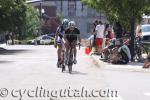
(30, 73)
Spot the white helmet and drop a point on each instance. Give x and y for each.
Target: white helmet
(72, 24)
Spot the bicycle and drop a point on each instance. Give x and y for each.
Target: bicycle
(70, 60)
(141, 51)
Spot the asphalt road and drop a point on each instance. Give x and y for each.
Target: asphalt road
(30, 73)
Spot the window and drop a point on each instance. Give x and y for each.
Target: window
(146, 38)
(72, 8)
(146, 28)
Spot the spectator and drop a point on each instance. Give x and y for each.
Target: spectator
(94, 47)
(120, 54)
(91, 40)
(110, 44)
(99, 36)
(124, 52)
(108, 31)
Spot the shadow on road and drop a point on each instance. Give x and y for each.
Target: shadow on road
(1, 62)
(78, 73)
(131, 63)
(4, 51)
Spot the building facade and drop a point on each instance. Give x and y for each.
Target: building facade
(80, 13)
(73, 10)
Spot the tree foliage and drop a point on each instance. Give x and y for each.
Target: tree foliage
(121, 10)
(32, 22)
(18, 17)
(127, 12)
(12, 14)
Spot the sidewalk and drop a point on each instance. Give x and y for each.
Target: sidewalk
(2, 44)
(132, 66)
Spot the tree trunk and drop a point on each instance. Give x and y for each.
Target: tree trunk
(132, 21)
(12, 38)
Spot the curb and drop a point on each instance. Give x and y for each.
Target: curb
(132, 67)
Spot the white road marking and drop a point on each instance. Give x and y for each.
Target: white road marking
(147, 94)
(116, 98)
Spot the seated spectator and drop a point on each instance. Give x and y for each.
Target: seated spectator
(123, 55)
(110, 44)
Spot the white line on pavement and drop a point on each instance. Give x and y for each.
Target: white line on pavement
(116, 98)
(147, 94)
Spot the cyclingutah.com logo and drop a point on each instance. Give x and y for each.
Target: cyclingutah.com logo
(68, 93)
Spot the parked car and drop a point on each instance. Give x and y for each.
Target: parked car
(146, 33)
(146, 36)
(43, 40)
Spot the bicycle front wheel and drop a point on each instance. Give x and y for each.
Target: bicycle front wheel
(70, 63)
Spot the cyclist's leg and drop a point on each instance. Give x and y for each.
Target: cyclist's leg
(59, 48)
(66, 51)
(75, 52)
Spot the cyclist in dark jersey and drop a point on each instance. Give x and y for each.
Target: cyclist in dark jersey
(72, 34)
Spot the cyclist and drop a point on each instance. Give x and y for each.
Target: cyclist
(72, 34)
(59, 39)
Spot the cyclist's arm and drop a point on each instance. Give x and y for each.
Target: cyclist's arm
(79, 38)
(56, 36)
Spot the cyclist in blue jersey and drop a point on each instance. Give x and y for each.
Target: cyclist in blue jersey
(59, 39)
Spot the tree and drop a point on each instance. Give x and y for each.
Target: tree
(17, 17)
(32, 22)
(127, 12)
(12, 15)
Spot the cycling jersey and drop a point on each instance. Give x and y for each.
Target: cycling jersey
(72, 35)
(61, 32)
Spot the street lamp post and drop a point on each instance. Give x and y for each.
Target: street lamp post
(41, 10)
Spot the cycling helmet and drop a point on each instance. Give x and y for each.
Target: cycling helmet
(65, 23)
(72, 24)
